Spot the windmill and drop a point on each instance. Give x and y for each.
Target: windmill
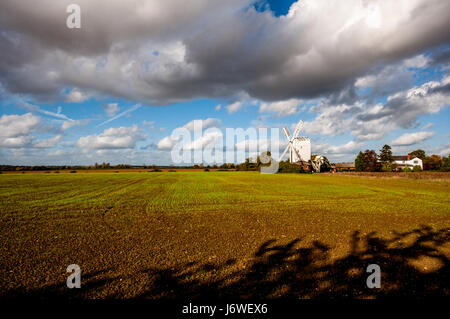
(299, 147)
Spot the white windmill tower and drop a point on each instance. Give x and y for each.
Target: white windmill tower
(299, 147)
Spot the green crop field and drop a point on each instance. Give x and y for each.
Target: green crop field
(222, 234)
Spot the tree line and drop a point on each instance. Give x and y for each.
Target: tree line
(100, 166)
(370, 161)
(63, 167)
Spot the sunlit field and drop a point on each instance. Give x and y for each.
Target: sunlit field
(222, 234)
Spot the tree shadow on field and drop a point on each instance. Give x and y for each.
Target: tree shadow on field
(411, 263)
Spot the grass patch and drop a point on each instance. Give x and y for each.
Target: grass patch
(238, 233)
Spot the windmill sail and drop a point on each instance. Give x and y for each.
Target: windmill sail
(298, 128)
(287, 133)
(285, 151)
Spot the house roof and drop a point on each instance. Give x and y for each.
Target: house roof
(344, 165)
(400, 158)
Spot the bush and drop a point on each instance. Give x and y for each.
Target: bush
(56, 172)
(407, 169)
(417, 168)
(286, 167)
(171, 170)
(72, 172)
(155, 170)
(387, 167)
(206, 169)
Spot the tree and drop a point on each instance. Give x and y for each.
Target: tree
(418, 153)
(433, 162)
(386, 154)
(446, 163)
(248, 165)
(386, 158)
(359, 162)
(371, 163)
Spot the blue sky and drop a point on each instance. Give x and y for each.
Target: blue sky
(368, 85)
(280, 7)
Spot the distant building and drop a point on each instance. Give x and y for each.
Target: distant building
(341, 167)
(407, 161)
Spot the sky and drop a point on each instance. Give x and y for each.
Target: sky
(358, 73)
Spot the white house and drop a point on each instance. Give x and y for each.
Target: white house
(403, 161)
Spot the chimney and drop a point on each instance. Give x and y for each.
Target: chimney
(408, 157)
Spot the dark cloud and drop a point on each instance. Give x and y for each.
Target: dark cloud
(445, 89)
(424, 100)
(441, 57)
(210, 48)
(20, 71)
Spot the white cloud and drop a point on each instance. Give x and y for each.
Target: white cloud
(234, 107)
(419, 61)
(282, 108)
(166, 144)
(18, 125)
(208, 140)
(49, 143)
(112, 138)
(332, 119)
(372, 122)
(16, 132)
(209, 122)
(412, 138)
(344, 149)
(76, 96)
(16, 141)
(218, 107)
(68, 124)
(111, 109)
(443, 150)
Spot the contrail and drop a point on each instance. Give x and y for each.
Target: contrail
(131, 109)
(35, 108)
